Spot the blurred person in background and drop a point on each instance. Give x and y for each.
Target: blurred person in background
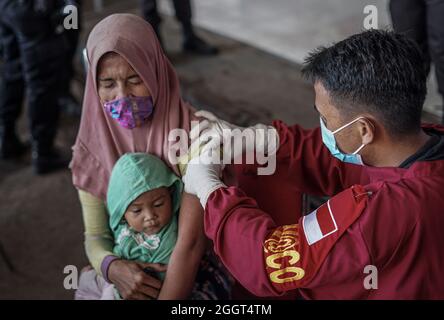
(191, 42)
(67, 102)
(34, 57)
(421, 20)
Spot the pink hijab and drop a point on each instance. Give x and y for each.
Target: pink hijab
(101, 141)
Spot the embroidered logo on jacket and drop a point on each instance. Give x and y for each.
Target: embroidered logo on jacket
(282, 256)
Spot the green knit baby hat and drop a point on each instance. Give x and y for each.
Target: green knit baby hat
(134, 174)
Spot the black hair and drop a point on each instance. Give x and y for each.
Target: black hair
(378, 72)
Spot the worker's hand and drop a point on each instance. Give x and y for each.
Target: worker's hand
(235, 140)
(215, 122)
(203, 174)
(133, 282)
(211, 131)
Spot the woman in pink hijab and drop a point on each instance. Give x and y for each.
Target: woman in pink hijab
(132, 101)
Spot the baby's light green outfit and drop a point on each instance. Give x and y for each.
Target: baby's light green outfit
(133, 175)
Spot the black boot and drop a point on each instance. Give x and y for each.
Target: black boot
(47, 159)
(194, 44)
(10, 145)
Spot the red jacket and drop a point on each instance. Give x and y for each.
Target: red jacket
(390, 218)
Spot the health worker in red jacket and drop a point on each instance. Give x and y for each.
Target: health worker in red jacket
(380, 236)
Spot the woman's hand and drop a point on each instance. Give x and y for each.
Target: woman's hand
(132, 282)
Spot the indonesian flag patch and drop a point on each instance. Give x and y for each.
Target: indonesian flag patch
(319, 224)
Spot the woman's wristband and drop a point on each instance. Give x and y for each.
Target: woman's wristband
(106, 262)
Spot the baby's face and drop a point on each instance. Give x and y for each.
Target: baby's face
(150, 211)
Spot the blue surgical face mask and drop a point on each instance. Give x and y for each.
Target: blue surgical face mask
(328, 137)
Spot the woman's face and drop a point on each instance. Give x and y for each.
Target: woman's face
(117, 79)
(150, 212)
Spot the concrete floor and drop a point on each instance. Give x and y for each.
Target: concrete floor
(287, 28)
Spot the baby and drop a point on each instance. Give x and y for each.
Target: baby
(143, 202)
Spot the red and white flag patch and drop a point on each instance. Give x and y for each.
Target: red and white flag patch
(319, 224)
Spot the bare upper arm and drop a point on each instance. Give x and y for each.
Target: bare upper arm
(191, 224)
